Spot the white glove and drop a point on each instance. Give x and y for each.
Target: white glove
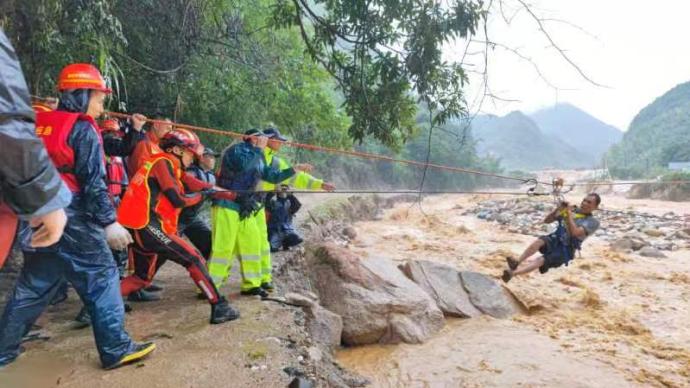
(117, 236)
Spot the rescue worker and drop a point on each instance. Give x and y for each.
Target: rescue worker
(148, 146)
(123, 138)
(301, 180)
(281, 208)
(116, 178)
(82, 255)
(558, 248)
(235, 229)
(192, 225)
(151, 207)
(30, 187)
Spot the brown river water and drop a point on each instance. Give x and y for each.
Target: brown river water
(608, 320)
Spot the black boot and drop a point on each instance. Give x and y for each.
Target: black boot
(139, 352)
(223, 312)
(143, 296)
(83, 319)
(154, 288)
(256, 291)
(268, 286)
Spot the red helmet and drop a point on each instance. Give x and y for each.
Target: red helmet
(182, 138)
(82, 76)
(110, 125)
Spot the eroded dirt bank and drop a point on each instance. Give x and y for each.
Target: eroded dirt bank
(610, 319)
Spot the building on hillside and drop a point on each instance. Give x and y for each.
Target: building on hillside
(679, 166)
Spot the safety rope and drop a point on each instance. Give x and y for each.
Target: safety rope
(358, 154)
(416, 192)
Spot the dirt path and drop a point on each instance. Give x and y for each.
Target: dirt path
(610, 319)
(251, 351)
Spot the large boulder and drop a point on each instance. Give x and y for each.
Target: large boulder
(377, 303)
(487, 295)
(443, 284)
(325, 327)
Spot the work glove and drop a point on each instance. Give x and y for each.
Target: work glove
(118, 237)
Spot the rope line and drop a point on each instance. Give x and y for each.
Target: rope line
(416, 192)
(367, 155)
(359, 154)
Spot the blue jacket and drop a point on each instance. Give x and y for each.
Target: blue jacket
(242, 168)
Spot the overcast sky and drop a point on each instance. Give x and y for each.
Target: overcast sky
(638, 49)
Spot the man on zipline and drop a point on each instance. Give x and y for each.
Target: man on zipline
(558, 248)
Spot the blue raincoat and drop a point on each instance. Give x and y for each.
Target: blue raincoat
(82, 256)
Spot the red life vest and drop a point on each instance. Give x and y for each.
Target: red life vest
(54, 128)
(115, 173)
(137, 203)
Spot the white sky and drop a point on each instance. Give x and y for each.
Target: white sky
(639, 49)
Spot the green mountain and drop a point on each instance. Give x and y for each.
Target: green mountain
(578, 128)
(659, 134)
(519, 143)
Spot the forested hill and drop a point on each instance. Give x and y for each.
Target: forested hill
(520, 144)
(659, 134)
(579, 129)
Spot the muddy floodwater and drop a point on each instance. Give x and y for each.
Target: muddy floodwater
(610, 319)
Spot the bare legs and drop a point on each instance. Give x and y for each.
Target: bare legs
(524, 266)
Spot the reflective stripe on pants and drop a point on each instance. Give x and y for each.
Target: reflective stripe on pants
(266, 264)
(232, 239)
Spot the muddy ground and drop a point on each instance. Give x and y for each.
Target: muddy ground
(610, 319)
(268, 346)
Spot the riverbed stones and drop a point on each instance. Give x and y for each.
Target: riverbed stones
(487, 295)
(651, 252)
(653, 232)
(300, 299)
(622, 245)
(377, 303)
(443, 284)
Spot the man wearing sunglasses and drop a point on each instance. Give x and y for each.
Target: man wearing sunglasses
(575, 224)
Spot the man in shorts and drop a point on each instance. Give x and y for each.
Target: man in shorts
(558, 248)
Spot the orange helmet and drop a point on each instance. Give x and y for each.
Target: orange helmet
(110, 125)
(183, 138)
(82, 76)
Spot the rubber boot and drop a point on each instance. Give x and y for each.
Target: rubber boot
(143, 296)
(223, 312)
(268, 286)
(139, 352)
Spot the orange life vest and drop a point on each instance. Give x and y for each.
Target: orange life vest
(54, 128)
(135, 207)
